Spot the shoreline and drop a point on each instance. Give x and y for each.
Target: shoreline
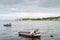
(40, 19)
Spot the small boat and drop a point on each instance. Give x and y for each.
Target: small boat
(7, 24)
(27, 34)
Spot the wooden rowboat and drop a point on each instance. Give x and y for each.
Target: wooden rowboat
(27, 34)
(7, 24)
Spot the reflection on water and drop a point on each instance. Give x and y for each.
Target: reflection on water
(7, 28)
(32, 39)
(27, 38)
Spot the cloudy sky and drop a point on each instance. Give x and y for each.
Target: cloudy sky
(29, 8)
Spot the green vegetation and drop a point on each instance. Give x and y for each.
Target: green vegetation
(48, 18)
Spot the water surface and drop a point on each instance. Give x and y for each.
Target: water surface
(46, 28)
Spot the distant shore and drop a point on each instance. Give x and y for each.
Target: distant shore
(42, 19)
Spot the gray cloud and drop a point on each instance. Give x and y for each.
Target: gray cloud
(12, 6)
(43, 3)
(50, 3)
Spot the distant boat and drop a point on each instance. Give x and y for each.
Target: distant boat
(8, 24)
(27, 34)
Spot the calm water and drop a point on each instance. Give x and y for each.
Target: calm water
(47, 28)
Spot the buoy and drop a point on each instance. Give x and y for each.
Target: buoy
(51, 35)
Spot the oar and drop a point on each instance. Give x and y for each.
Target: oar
(32, 37)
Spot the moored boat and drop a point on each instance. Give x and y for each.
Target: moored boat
(27, 34)
(8, 24)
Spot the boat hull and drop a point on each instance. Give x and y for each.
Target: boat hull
(7, 24)
(30, 36)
